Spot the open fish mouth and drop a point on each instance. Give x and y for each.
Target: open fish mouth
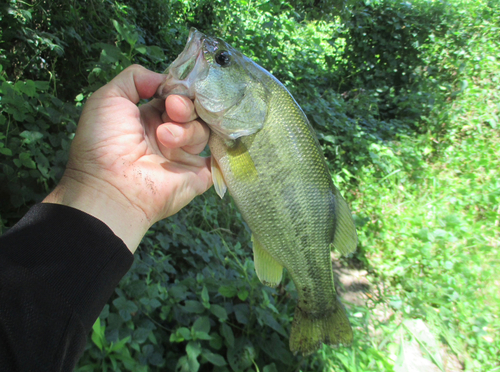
(190, 64)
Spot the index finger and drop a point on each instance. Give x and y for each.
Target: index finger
(179, 109)
(134, 83)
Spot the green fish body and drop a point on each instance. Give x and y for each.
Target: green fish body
(265, 152)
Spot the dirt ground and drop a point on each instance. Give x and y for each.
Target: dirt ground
(355, 288)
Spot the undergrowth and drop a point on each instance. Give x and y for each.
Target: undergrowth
(405, 100)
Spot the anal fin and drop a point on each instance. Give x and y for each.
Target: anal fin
(345, 240)
(269, 271)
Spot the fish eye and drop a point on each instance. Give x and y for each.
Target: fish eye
(222, 58)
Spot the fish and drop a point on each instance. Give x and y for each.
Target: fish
(265, 153)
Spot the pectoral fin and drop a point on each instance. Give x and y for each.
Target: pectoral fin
(346, 238)
(241, 162)
(219, 184)
(267, 268)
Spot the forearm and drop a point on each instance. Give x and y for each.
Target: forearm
(101, 200)
(58, 268)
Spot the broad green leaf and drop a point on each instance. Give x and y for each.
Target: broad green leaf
(265, 317)
(227, 333)
(199, 335)
(202, 324)
(110, 53)
(25, 159)
(215, 359)
(31, 136)
(227, 291)
(5, 151)
(141, 334)
(243, 294)
(219, 312)
(242, 355)
(242, 313)
(216, 341)
(270, 368)
(193, 349)
(194, 307)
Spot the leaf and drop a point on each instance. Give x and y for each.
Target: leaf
(155, 53)
(270, 368)
(219, 312)
(42, 85)
(266, 318)
(227, 291)
(228, 335)
(180, 335)
(98, 334)
(25, 159)
(27, 87)
(216, 341)
(193, 349)
(193, 307)
(242, 294)
(215, 359)
(141, 334)
(125, 307)
(122, 303)
(31, 136)
(242, 355)
(5, 151)
(143, 49)
(109, 53)
(120, 344)
(242, 312)
(127, 32)
(202, 324)
(205, 297)
(183, 364)
(277, 350)
(201, 336)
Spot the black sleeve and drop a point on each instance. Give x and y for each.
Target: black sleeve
(58, 267)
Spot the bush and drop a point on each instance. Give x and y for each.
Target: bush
(371, 79)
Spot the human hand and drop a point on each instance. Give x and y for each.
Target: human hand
(132, 166)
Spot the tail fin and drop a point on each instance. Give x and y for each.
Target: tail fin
(309, 330)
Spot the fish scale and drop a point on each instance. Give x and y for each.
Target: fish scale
(265, 152)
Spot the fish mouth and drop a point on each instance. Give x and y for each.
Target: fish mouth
(190, 64)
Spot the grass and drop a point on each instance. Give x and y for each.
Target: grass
(430, 232)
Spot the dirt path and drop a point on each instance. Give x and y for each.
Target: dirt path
(355, 288)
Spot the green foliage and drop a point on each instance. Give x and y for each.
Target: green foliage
(404, 98)
(192, 300)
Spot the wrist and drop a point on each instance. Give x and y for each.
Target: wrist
(104, 202)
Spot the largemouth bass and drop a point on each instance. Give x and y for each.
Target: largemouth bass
(265, 152)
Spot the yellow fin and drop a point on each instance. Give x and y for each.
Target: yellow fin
(241, 162)
(309, 330)
(268, 270)
(219, 184)
(346, 238)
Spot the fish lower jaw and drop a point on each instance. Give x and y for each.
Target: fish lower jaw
(174, 87)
